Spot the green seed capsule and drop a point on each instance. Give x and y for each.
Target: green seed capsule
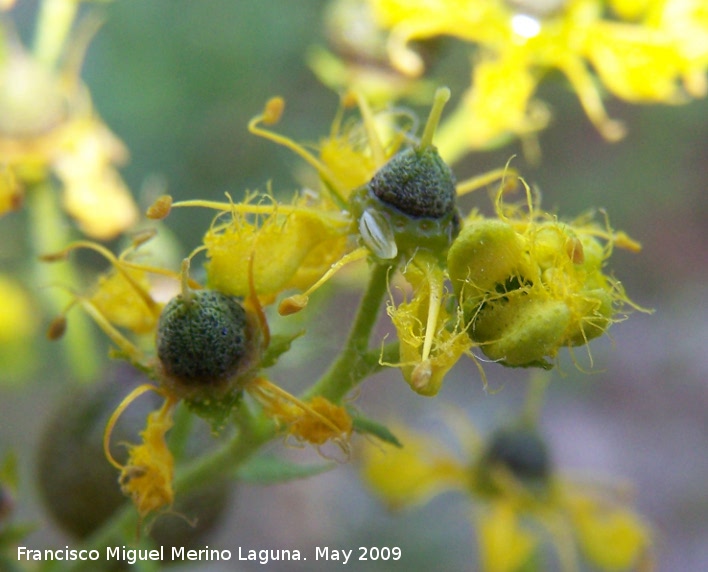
(521, 451)
(410, 203)
(203, 339)
(418, 183)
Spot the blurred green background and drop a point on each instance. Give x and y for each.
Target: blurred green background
(178, 80)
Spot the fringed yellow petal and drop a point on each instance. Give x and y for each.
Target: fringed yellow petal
(431, 339)
(316, 421)
(287, 250)
(530, 284)
(116, 298)
(330, 422)
(413, 473)
(613, 538)
(504, 545)
(148, 474)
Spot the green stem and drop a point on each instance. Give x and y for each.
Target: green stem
(355, 363)
(55, 21)
(49, 233)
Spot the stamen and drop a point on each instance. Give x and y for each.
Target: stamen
(375, 144)
(160, 208)
(436, 287)
(57, 327)
(117, 263)
(247, 208)
(623, 240)
(255, 304)
(297, 302)
(132, 396)
(442, 95)
(185, 290)
(481, 181)
(131, 351)
(269, 117)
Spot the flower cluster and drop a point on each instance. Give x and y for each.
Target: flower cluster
(518, 285)
(204, 347)
(507, 283)
(519, 498)
(651, 52)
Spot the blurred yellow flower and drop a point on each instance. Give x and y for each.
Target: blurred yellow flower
(48, 127)
(18, 320)
(10, 192)
(411, 474)
(518, 499)
(653, 51)
(356, 58)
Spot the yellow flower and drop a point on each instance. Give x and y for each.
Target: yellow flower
(17, 318)
(431, 339)
(413, 473)
(504, 544)
(303, 243)
(299, 244)
(291, 246)
(530, 284)
(48, 126)
(401, 206)
(316, 421)
(147, 475)
(207, 350)
(518, 499)
(644, 59)
(357, 58)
